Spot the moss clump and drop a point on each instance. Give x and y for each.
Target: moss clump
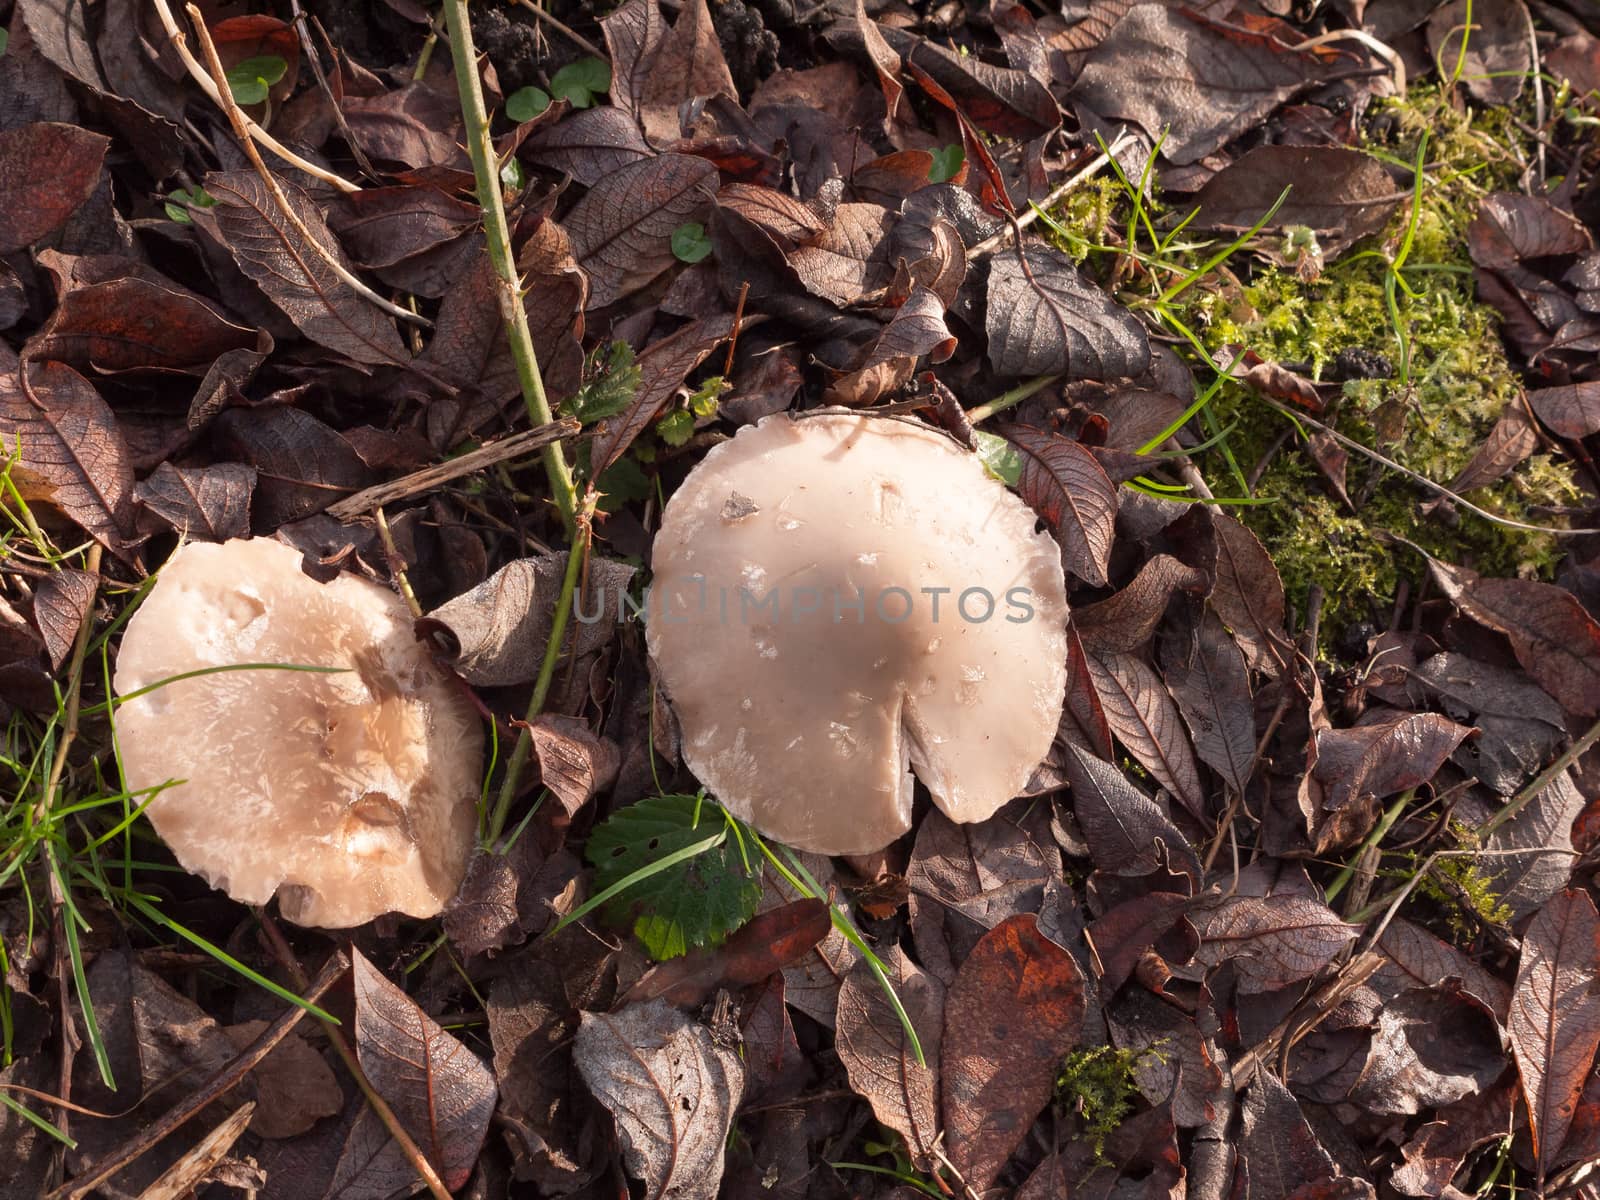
(1100, 1084)
(1449, 378)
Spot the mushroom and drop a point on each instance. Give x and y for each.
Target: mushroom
(349, 794)
(839, 600)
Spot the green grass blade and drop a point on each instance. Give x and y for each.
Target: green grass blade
(628, 881)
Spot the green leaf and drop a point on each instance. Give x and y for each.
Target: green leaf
(5, 39)
(999, 458)
(179, 203)
(946, 164)
(690, 243)
(250, 80)
(694, 902)
(703, 403)
(525, 104)
(512, 174)
(623, 482)
(677, 427)
(578, 83)
(612, 378)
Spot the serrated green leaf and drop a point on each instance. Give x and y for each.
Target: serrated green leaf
(676, 428)
(690, 243)
(692, 903)
(946, 163)
(250, 80)
(180, 201)
(703, 403)
(613, 378)
(526, 103)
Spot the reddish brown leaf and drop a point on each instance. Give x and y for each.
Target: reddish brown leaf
(917, 329)
(1143, 717)
(46, 171)
(589, 144)
(1271, 941)
(1511, 227)
(761, 947)
(622, 229)
(1572, 411)
(877, 1055)
(1127, 832)
(302, 464)
(687, 65)
(136, 324)
(1248, 594)
(662, 369)
(788, 220)
(574, 762)
(1014, 1011)
(1554, 639)
(1511, 440)
(1352, 197)
(852, 260)
(1384, 755)
(1064, 484)
(1554, 1024)
(59, 606)
(437, 1087)
(71, 454)
(295, 277)
(1278, 1152)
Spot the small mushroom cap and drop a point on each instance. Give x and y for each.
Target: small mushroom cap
(806, 717)
(350, 794)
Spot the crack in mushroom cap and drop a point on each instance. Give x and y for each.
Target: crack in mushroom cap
(808, 724)
(350, 794)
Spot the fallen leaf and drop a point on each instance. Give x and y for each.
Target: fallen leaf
(1012, 1014)
(1211, 687)
(588, 144)
(1049, 320)
(1278, 1152)
(47, 170)
(1126, 619)
(1270, 941)
(1341, 195)
(1492, 56)
(687, 65)
(1572, 411)
(621, 230)
(296, 1087)
(302, 465)
(210, 504)
(663, 367)
(1062, 482)
(135, 324)
(1127, 832)
(1554, 1023)
(1530, 856)
(574, 762)
(672, 1088)
(295, 276)
(1143, 717)
(1248, 595)
(437, 1087)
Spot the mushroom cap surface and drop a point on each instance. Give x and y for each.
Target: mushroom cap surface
(349, 794)
(795, 623)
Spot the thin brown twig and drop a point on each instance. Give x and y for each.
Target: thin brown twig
(1021, 221)
(218, 1085)
(280, 201)
(315, 61)
(544, 17)
(255, 133)
(341, 1046)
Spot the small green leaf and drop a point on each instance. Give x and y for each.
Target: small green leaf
(525, 104)
(696, 902)
(703, 403)
(578, 83)
(179, 203)
(250, 80)
(612, 380)
(690, 243)
(512, 174)
(623, 482)
(677, 427)
(999, 458)
(5, 39)
(946, 164)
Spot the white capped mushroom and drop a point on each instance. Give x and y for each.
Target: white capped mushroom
(349, 794)
(839, 600)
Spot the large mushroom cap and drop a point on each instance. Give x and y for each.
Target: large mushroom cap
(349, 794)
(805, 716)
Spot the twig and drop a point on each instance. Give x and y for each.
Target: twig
(180, 44)
(322, 82)
(1011, 398)
(1383, 51)
(1454, 497)
(397, 563)
(989, 245)
(380, 1107)
(542, 15)
(486, 167)
(515, 446)
(279, 200)
(219, 1084)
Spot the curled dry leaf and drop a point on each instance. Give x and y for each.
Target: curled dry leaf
(672, 1087)
(1554, 1024)
(663, 367)
(1126, 620)
(437, 1087)
(877, 1055)
(1271, 941)
(575, 763)
(501, 626)
(1014, 1011)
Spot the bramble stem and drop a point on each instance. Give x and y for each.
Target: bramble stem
(486, 168)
